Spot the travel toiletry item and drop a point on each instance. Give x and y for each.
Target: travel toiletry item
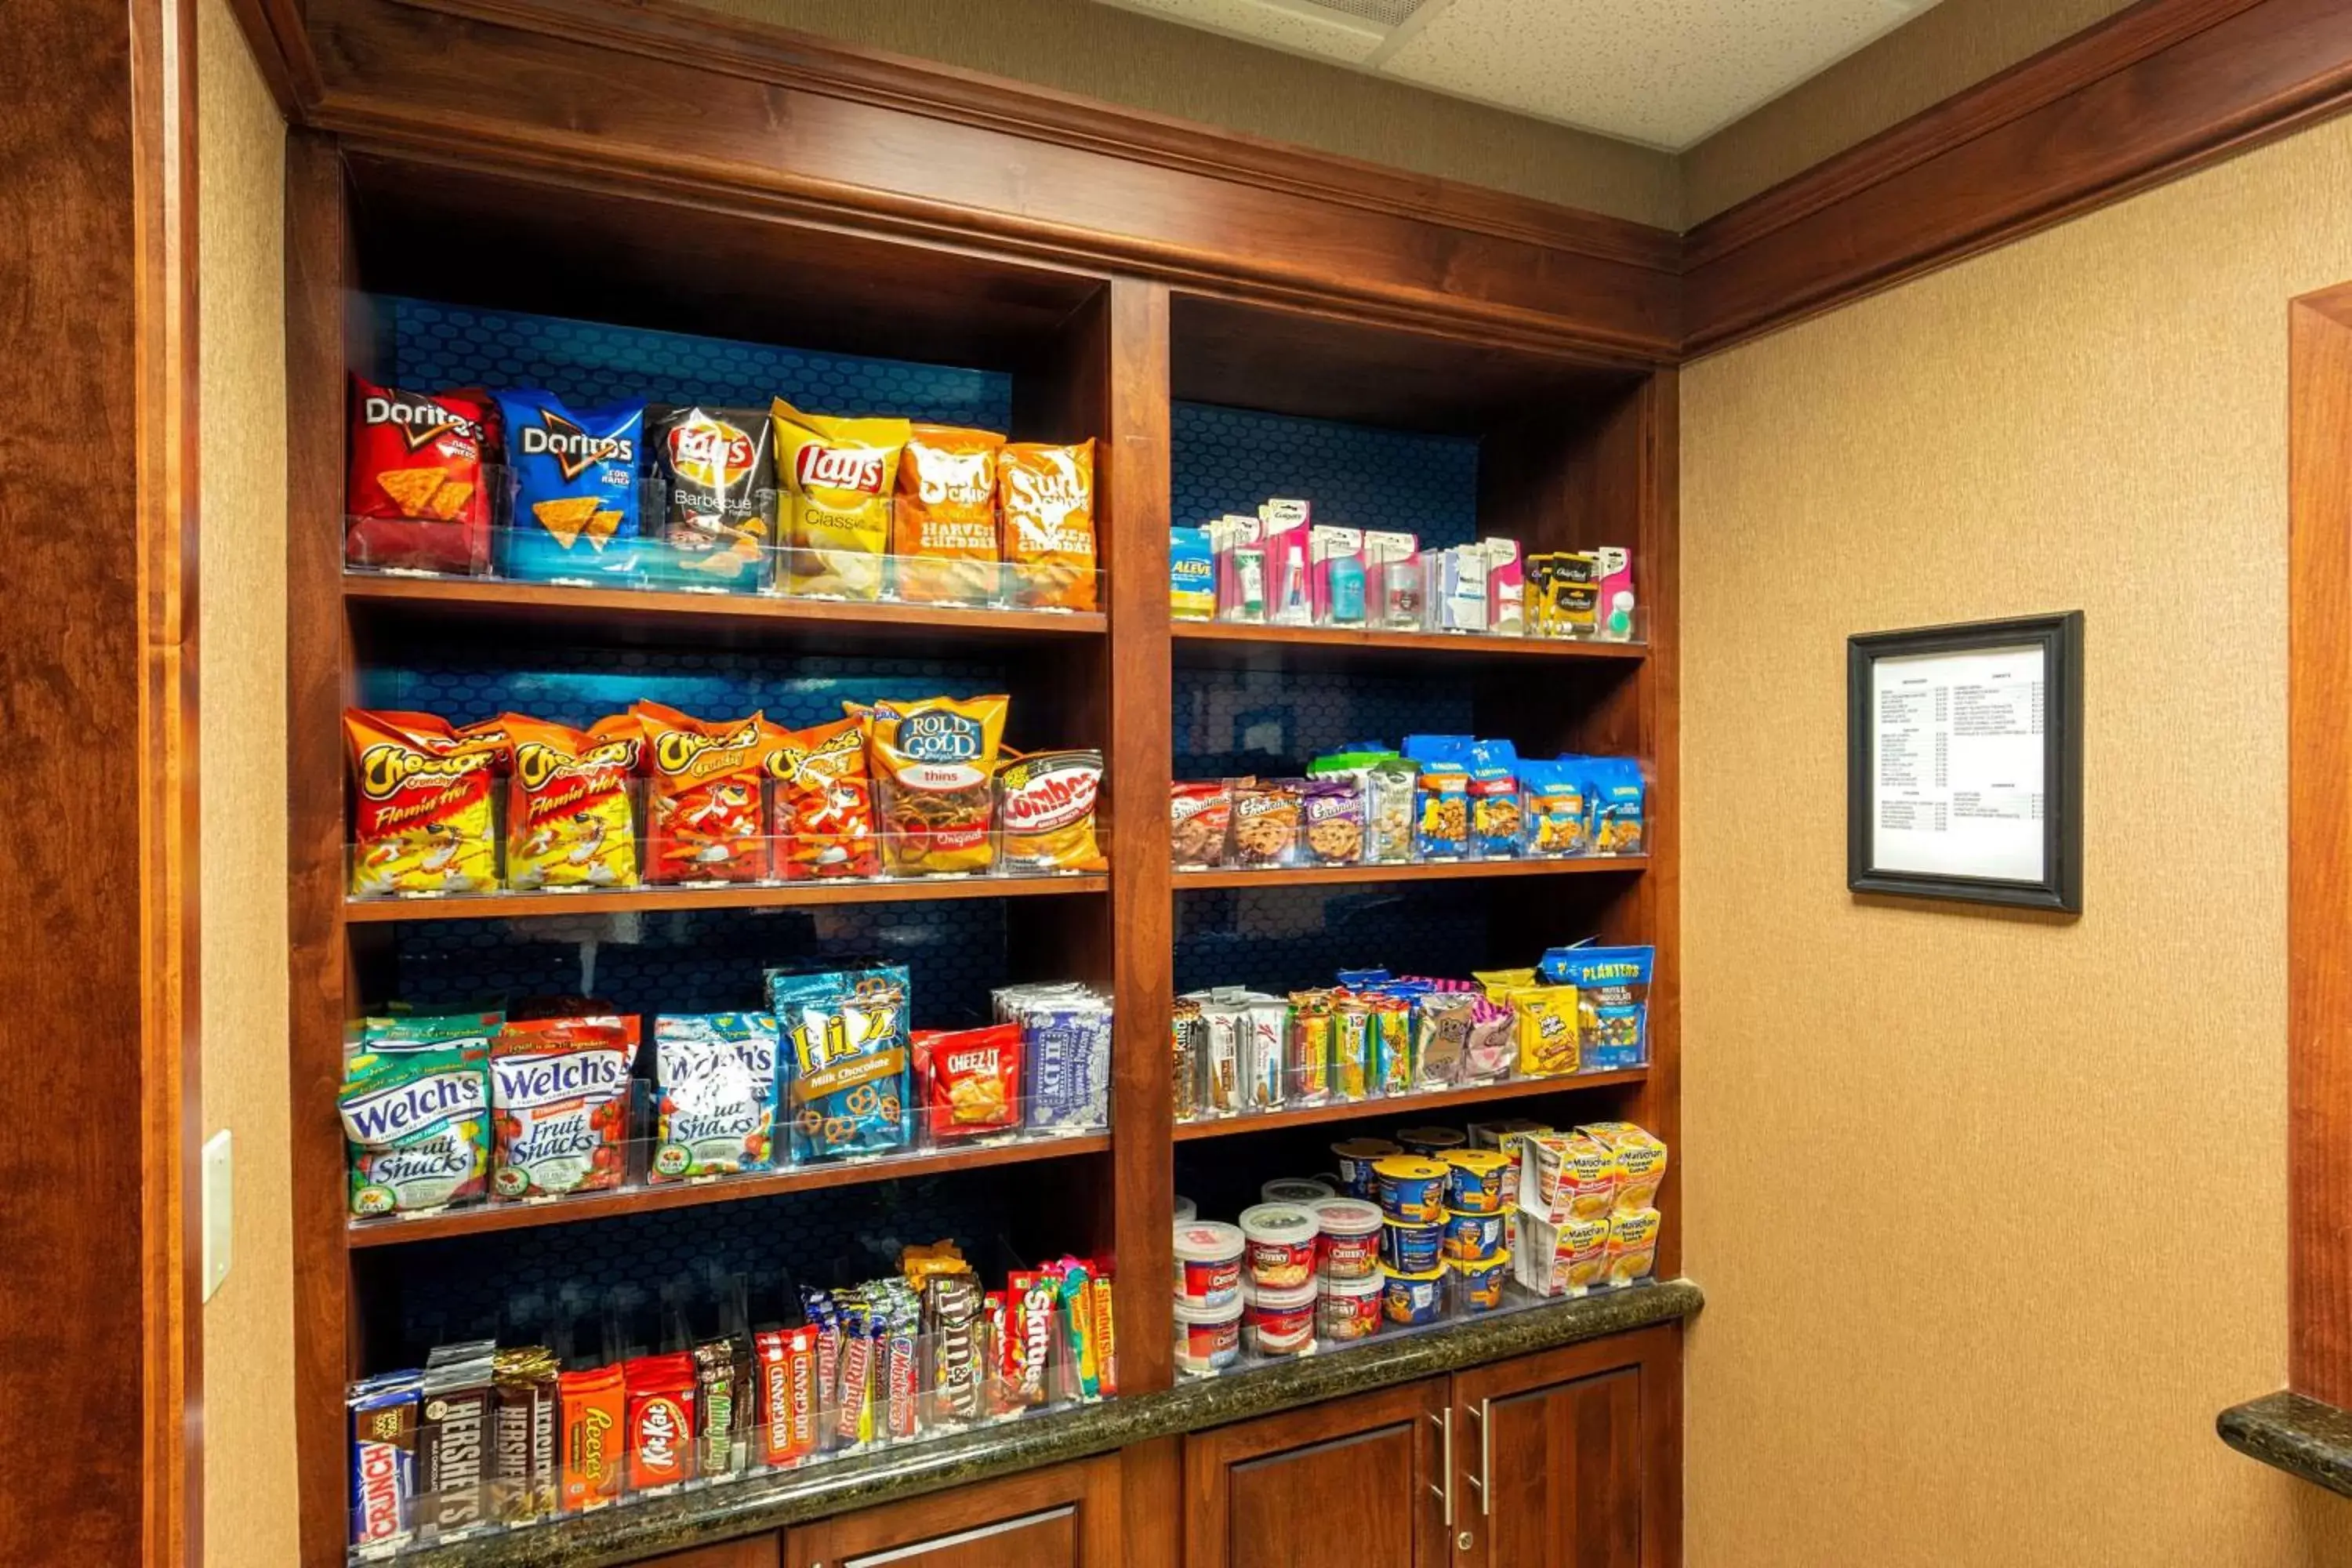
(1191, 574)
(1613, 592)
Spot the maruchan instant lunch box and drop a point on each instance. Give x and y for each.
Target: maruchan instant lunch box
(1208, 1263)
(1350, 1246)
(1208, 1339)
(1278, 1242)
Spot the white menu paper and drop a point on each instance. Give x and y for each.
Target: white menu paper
(1957, 764)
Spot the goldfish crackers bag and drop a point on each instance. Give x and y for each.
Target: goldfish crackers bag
(821, 801)
(571, 820)
(703, 806)
(839, 474)
(423, 813)
(943, 534)
(1049, 525)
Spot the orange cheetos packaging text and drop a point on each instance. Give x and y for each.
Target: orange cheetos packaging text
(703, 810)
(821, 801)
(839, 474)
(1049, 524)
(943, 534)
(423, 804)
(572, 819)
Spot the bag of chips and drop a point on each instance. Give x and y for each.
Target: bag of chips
(839, 474)
(943, 534)
(1554, 812)
(422, 818)
(1441, 795)
(934, 764)
(575, 511)
(703, 816)
(719, 466)
(571, 820)
(850, 1074)
(1045, 809)
(416, 500)
(1495, 824)
(716, 1079)
(560, 1089)
(971, 1079)
(821, 801)
(1049, 525)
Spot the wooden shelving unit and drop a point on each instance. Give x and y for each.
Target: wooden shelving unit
(1406, 1106)
(766, 896)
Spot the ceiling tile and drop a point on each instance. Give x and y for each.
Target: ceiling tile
(1300, 26)
(1662, 71)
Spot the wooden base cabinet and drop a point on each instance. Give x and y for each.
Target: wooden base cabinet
(1565, 1459)
(1064, 1516)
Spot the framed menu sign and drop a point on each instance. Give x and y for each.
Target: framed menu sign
(1964, 763)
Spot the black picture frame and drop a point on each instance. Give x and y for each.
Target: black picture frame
(2060, 637)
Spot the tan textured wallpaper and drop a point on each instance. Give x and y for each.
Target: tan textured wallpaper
(249, 1324)
(1954, 44)
(1988, 1210)
(1075, 45)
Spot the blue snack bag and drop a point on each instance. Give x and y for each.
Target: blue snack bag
(575, 507)
(1612, 1002)
(1495, 817)
(1441, 810)
(1613, 798)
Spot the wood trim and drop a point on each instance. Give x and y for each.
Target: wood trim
(281, 49)
(2165, 88)
(2319, 834)
(1092, 1488)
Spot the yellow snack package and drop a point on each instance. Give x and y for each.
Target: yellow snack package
(422, 816)
(1547, 1028)
(934, 766)
(571, 819)
(1632, 1246)
(840, 473)
(1641, 1162)
(1501, 983)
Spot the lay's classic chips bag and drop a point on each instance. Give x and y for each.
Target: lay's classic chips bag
(840, 474)
(576, 511)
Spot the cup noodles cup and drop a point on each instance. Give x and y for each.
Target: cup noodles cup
(1357, 1156)
(1473, 1237)
(1430, 1143)
(1410, 1247)
(1278, 1242)
(1208, 1264)
(1411, 1189)
(1410, 1299)
(1349, 1309)
(1478, 1285)
(1279, 1322)
(1563, 1178)
(1208, 1339)
(1473, 1179)
(1349, 1244)
(1566, 1259)
(1632, 1246)
(1306, 1191)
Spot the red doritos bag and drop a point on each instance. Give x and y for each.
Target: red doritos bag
(416, 500)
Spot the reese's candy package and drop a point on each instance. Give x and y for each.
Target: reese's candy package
(560, 1089)
(718, 464)
(1046, 812)
(416, 499)
(419, 1130)
(839, 475)
(934, 767)
(821, 801)
(1049, 525)
(943, 534)
(570, 822)
(576, 511)
(421, 808)
(703, 816)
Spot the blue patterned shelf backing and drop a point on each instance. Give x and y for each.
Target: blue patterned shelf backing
(1229, 459)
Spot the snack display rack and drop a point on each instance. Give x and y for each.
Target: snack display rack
(1573, 449)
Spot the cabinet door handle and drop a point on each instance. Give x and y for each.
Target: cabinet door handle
(1484, 1480)
(1445, 1493)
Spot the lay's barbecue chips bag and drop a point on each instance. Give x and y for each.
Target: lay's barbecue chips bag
(576, 511)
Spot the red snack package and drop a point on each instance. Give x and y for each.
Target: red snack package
(703, 816)
(416, 499)
(971, 1081)
(422, 818)
(561, 1091)
(594, 1403)
(821, 801)
(1027, 1346)
(661, 1421)
(787, 1401)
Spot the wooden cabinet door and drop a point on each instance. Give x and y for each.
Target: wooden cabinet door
(1352, 1483)
(1567, 1460)
(752, 1552)
(1065, 1516)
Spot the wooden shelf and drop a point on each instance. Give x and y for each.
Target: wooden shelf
(1408, 1105)
(1227, 643)
(1431, 871)
(787, 895)
(496, 605)
(489, 1217)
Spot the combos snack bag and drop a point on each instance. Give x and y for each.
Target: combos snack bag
(944, 532)
(416, 499)
(721, 471)
(418, 1125)
(971, 1081)
(840, 474)
(704, 785)
(718, 1094)
(821, 801)
(934, 766)
(1045, 804)
(569, 820)
(1049, 525)
(576, 487)
(560, 1089)
(422, 818)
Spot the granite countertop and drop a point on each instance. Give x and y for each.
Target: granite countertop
(628, 1533)
(2300, 1435)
